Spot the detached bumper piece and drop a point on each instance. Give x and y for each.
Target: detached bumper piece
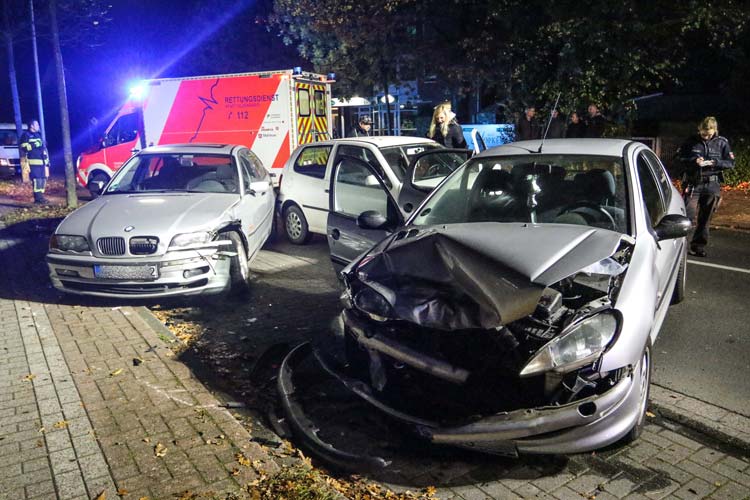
(304, 429)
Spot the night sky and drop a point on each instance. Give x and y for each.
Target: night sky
(144, 39)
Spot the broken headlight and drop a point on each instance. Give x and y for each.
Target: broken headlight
(373, 304)
(580, 345)
(189, 239)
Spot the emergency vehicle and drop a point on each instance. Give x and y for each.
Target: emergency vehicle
(270, 112)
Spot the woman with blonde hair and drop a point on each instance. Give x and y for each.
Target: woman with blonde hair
(444, 128)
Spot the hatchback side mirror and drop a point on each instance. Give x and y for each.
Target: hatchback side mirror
(672, 226)
(372, 219)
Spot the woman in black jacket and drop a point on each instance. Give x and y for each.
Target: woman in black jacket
(444, 128)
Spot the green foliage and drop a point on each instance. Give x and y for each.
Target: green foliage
(741, 171)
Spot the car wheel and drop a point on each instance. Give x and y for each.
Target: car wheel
(96, 184)
(643, 369)
(678, 295)
(295, 225)
(239, 269)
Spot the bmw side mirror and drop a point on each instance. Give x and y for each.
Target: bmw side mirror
(672, 226)
(372, 219)
(258, 187)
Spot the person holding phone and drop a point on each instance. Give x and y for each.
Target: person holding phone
(705, 158)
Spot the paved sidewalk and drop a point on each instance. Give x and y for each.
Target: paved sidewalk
(79, 417)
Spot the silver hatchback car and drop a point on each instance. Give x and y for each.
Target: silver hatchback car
(174, 220)
(516, 309)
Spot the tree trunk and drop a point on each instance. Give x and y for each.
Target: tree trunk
(388, 127)
(12, 74)
(70, 175)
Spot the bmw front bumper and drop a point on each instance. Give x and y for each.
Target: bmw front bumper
(185, 272)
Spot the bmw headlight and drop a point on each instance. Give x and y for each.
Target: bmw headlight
(4, 162)
(583, 343)
(67, 242)
(373, 304)
(190, 239)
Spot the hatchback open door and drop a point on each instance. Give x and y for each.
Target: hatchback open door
(425, 172)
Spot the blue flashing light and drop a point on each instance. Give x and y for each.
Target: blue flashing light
(138, 91)
(297, 70)
(332, 77)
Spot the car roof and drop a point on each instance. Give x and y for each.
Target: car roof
(595, 147)
(202, 148)
(11, 126)
(381, 141)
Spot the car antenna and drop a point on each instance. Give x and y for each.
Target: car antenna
(549, 122)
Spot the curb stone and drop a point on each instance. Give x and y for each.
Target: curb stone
(718, 423)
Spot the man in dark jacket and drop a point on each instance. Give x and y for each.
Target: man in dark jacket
(595, 123)
(556, 126)
(527, 127)
(35, 152)
(361, 128)
(576, 128)
(705, 158)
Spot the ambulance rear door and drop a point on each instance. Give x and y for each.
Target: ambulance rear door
(313, 111)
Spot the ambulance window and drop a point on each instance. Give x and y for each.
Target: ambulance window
(312, 161)
(125, 129)
(320, 103)
(303, 100)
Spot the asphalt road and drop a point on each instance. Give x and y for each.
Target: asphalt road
(704, 347)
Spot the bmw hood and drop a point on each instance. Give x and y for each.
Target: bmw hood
(160, 215)
(479, 275)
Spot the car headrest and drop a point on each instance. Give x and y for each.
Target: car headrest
(601, 183)
(225, 172)
(498, 180)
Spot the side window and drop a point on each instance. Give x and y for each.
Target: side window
(259, 172)
(125, 129)
(320, 103)
(303, 101)
(246, 169)
(356, 190)
(313, 161)
(661, 176)
(366, 156)
(650, 191)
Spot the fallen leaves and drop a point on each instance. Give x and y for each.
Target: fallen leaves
(62, 424)
(650, 414)
(242, 459)
(116, 372)
(137, 361)
(160, 450)
(101, 496)
(29, 377)
(121, 492)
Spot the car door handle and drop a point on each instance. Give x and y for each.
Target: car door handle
(326, 190)
(335, 234)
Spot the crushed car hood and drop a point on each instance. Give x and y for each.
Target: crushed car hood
(480, 275)
(160, 215)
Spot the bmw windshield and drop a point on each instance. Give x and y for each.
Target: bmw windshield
(565, 189)
(176, 172)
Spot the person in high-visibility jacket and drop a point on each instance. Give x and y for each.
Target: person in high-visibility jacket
(35, 151)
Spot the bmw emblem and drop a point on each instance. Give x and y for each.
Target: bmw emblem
(129, 228)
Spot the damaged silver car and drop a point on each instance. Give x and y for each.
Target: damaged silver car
(175, 220)
(516, 310)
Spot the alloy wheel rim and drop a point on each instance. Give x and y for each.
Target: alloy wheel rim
(644, 369)
(293, 225)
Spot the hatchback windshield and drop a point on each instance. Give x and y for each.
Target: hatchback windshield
(564, 189)
(399, 157)
(177, 172)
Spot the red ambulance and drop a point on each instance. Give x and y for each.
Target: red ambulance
(270, 112)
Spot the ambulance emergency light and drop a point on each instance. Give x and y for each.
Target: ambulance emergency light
(137, 91)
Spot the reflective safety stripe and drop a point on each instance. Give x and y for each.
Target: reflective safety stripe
(26, 146)
(39, 185)
(33, 161)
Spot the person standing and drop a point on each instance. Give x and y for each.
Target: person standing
(556, 126)
(444, 129)
(34, 151)
(595, 123)
(705, 158)
(576, 128)
(527, 127)
(362, 128)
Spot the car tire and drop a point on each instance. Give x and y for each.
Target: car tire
(643, 368)
(295, 225)
(678, 295)
(93, 184)
(239, 267)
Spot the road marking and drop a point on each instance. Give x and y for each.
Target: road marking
(719, 266)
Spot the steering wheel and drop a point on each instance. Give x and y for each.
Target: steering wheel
(593, 206)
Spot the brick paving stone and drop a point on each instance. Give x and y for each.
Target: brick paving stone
(731, 491)
(695, 488)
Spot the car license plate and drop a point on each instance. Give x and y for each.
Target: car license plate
(148, 272)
